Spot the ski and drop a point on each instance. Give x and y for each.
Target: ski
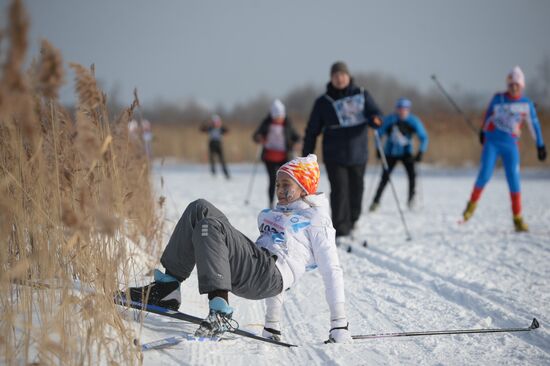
(174, 340)
(120, 300)
(534, 325)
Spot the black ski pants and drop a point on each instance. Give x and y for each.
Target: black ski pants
(408, 163)
(215, 150)
(346, 195)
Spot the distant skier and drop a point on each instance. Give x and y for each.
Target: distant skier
(216, 130)
(278, 137)
(295, 236)
(342, 114)
(141, 135)
(500, 133)
(147, 138)
(133, 130)
(400, 128)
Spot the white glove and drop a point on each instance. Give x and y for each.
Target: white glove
(340, 335)
(272, 330)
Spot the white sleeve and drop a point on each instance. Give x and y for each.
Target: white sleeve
(326, 256)
(274, 311)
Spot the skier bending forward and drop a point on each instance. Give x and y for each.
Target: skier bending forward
(295, 236)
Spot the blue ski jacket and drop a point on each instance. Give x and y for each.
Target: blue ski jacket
(506, 115)
(399, 135)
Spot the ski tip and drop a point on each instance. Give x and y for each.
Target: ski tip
(535, 324)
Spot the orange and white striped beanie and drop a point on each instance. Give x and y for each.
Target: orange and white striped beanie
(304, 171)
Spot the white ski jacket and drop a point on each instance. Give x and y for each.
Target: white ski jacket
(302, 237)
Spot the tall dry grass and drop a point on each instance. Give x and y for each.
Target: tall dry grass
(74, 192)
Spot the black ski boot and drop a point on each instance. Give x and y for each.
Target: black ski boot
(164, 292)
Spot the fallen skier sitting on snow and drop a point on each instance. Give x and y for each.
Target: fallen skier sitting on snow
(296, 235)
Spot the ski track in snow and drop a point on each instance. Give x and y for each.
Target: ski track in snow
(476, 275)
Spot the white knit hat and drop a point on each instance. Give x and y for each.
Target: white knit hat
(516, 76)
(277, 109)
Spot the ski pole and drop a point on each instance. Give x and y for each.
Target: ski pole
(458, 109)
(251, 182)
(534, 325)
(386, 168)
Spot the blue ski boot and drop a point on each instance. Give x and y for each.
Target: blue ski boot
(218, 320)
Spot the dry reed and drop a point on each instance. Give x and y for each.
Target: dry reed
(75, 203)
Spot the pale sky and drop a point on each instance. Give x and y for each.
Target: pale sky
(223, 52)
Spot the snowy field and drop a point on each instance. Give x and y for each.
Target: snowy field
(477, 275)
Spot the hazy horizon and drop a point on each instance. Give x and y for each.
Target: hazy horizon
(222, 53)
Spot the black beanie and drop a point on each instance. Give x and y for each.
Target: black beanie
(339, 66)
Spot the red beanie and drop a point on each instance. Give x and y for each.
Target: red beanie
(304, 171)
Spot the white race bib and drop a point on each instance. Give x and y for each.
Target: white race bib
(350, 110)
(508, 117)
(276, 138)
(275, 226)
(215, 134)
(397, 137)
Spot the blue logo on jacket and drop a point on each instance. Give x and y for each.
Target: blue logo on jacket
(300, 225)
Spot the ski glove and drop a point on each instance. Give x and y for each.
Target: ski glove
(481, 137)
(339, 335)
(377, 121)
(541, 153)
(418, 157)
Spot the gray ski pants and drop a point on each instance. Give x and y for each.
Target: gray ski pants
(225, 258)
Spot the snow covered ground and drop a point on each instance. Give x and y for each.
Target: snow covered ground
(450, 276)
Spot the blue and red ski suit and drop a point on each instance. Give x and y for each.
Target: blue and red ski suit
(501, 131)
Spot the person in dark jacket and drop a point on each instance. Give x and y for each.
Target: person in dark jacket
(215, 131)
(399, 127)
(342, 114)
(278, 138)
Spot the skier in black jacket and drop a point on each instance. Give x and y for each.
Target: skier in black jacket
(342, 114)
(278, 138)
